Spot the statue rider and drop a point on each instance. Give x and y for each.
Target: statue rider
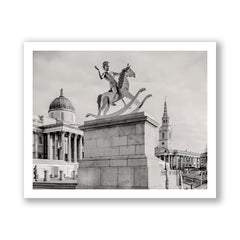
(109, 76)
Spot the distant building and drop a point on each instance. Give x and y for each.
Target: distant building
(203, 161)
(177, 159)
(57, 141)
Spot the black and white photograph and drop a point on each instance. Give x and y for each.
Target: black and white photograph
(120, 119)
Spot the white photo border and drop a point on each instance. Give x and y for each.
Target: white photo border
(210, 47)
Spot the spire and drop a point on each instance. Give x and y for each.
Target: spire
(61, 92)
(165, 107)
(165, 117)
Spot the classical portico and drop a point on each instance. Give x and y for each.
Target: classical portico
(63, 142)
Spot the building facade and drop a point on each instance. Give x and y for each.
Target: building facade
(203, 160)
(57, 141)
(177, 159)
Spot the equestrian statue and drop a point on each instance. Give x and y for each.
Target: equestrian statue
(118, 91)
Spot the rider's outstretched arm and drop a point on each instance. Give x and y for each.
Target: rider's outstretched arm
(99, 73)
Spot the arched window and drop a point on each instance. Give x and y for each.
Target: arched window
(162, 135)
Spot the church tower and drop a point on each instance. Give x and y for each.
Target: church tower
(165, 131)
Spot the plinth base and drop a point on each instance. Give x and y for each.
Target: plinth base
(119, 153)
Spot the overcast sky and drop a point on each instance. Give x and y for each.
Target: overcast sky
(180, 76)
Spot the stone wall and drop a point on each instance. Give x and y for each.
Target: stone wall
(119, 153)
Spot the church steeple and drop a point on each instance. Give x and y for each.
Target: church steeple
(165, 131)
(165, 118)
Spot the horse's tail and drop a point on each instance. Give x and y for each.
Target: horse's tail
(99, 98)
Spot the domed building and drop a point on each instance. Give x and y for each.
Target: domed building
(57, 140)
(62, 109)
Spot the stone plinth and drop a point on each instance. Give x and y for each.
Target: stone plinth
(119, 153)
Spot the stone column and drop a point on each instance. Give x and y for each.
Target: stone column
(80, 148)
(35, 145)
(180, 162)
(51, 146)
(165, 165)
(75, 149)
(63, 146)
(69, 148)
(49, 142)
(183, 159)
(55, 145)
(168, 160)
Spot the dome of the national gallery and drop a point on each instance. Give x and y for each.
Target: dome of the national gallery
(62, 109)
(61, 103)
